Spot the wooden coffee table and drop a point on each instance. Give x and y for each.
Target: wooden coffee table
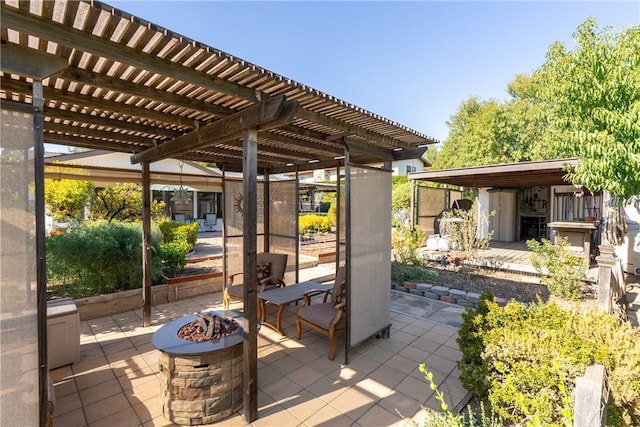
(284, 296)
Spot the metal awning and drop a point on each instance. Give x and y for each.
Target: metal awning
(513, 175)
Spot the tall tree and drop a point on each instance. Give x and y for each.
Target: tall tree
(490, 132)
(122, 202)
(593, 99)
(66, 199)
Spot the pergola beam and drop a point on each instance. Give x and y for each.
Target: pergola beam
(81, 40)
(119, 108)
(271, 113)
(104, 81)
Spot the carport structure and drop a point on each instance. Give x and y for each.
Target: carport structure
(84, 74)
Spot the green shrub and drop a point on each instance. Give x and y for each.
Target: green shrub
(98, 258)
(173, 256)
(405, 242)
(560, 270)
(412, 273)
(173, 230)
(528, 359)
(311, 223)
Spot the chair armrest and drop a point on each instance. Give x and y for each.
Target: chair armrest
(272, 280)
(230, 278)
(339, 310)
(313, 292)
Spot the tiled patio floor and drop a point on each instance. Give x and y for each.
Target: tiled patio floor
(116, 383)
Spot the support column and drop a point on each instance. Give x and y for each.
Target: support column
(146, 244)
(249, 243)
(605, 267)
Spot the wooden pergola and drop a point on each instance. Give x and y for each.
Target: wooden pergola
(97, 77)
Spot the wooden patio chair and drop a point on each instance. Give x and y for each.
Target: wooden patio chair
(271, 268)
(327, 317)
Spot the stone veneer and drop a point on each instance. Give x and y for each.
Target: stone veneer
(201, 388)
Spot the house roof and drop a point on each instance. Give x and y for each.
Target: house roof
(512, 175)
(106, 167)
(113, 81)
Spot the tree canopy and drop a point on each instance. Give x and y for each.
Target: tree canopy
(583, 103)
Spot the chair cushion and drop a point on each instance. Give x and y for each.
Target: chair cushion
(321, 315)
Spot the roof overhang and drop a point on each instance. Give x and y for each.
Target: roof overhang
(513, 175)
(106, 168)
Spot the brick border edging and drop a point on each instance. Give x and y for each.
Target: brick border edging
(443, 293)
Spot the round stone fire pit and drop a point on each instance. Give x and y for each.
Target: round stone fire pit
(201, 376)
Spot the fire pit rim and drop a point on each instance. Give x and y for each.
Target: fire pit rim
(166, 338)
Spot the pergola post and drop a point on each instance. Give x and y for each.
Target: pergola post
(250, 300)
(146, 244)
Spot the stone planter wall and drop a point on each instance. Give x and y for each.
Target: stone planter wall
(175, 289)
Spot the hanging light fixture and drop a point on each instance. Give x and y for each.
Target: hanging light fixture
(181, 195)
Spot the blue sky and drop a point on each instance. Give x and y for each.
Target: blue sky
(413, 62)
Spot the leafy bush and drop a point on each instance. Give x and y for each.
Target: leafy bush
(560, 270)
(528, 358)
(173, 256)
(173, 230)
(412, 273)
(98, 258)
(311, 223)
(405, 242)
(178, 240)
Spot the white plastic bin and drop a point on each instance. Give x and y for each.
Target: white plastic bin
(63, 333)
(629, 251)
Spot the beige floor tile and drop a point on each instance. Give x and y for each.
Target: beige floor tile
(398, 402)
(378, 416)
(415, 330)
(328, 417)
(379, 354)
(327, 389)
(66, 404)
(305, 376)
(61, 373)
(354, 402)
(88, 379)
(148, 409)
(374, 388)
(141, 392)
(404, 337)
(106, 408)
(141, 381)
(114, 347)
(442, 364)
(129, 352)
(363, 364)
(387, 375)
(125, 418)
(303, 405)
(64, 387)
(418, 389)
(402, 364)
(392, 344)
(96, 362)
(73, 418)
(100, 392)
(281, 389)
(425, 344)
(276, 418)
(286, 365)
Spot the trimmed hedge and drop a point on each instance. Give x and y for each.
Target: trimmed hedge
(525, 360)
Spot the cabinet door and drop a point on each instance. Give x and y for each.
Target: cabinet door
(503, 222)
